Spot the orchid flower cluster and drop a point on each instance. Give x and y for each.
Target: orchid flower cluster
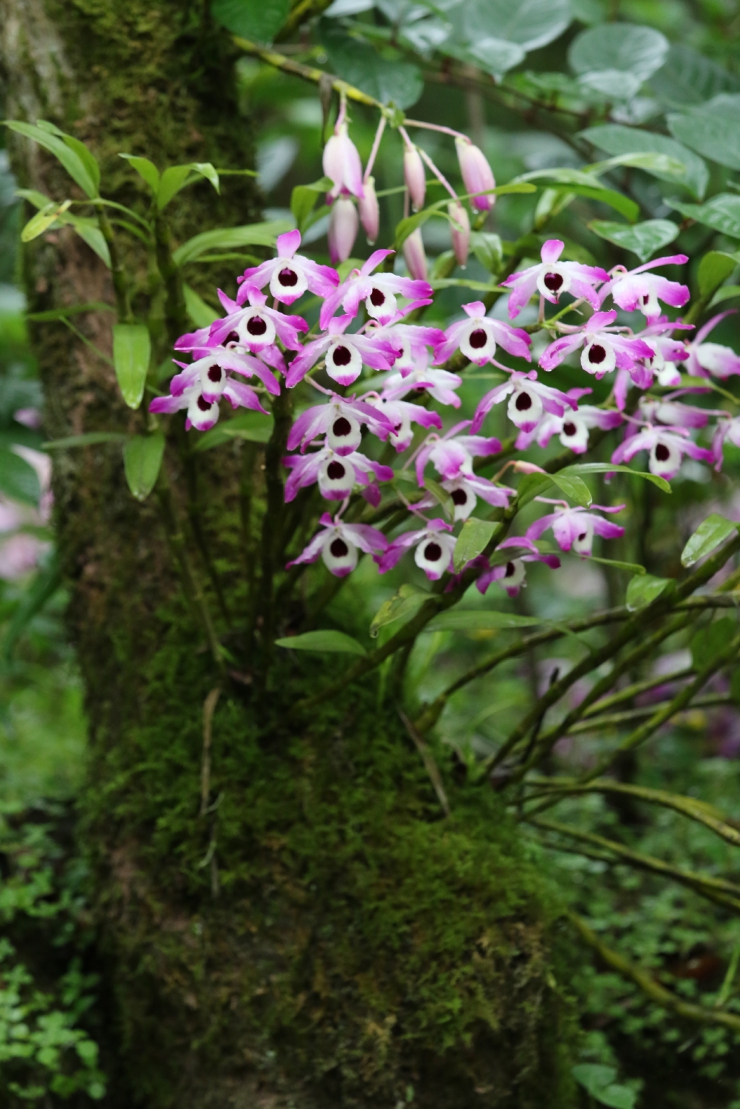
(386, 377)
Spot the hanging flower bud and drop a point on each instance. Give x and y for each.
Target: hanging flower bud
(341, 162)
(414, 256)
(459, 231)
(476, 173)
(369, 210)
(343, 225)
(415, 177)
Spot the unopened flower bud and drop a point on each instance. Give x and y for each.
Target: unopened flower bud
(343, 226)
(415, 177)
(341, 162)
(369, 210)
(476, 173)
(414, 256)
(459, 230)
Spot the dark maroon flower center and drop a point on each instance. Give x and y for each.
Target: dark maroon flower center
(203, 404)
(215, 373)
(478, 338)
(338, 547)
(342, 356)
(523, 402)
(288, 277)
(582, 536)
(459, 496)
(662, 453)
(419, 391)
(510, 570)
(433, 552)
(256, 326)
(335, 471)
(553, 281)
(341, 426)
(232, 337)
(596, 353)
(569, 428)
(377, 297)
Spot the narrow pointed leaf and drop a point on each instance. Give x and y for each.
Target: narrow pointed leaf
(473, 539)
(89, 439)
(403, 603)
(479, 620)
(230, 238)
(146, 170)
(610, 468)
(131, 352)
(328, 640)
(142, 460)
(710, 534)
(69, 158)
(43, 220)
(574, 487)
(18, 479)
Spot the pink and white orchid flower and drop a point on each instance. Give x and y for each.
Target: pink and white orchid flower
(378, 291)
(711, 359)
(290, 274)
(452, 454)
(727, 429)
(339, 545)
(511, 575)
(345, 355)
(341, 420)
(401, 415)
(213, 368)
(572, 427)
(528, 399)
(574, 528)
(202, 413)
(476, 337)
(439, 384)
(638, 290)
(257, 326)
(604, 347)
(335, 473)
(434, 549)
(552, 279)
(667, 446)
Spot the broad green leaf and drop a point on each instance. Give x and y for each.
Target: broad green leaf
(487, 248)
(86, 156)
(643, 239)
(612, 84)
(610, 468)
(599, 1081)
(18, 479)
(585, 184)
(47, 581)
(647, 160)
(442, 497)
(145, 169)
(43, 220)
(722, 212)
(131, 353)
(574, 487)
(33, 196)
(709, 535)
(528, 23)
(476, 619)
(630, 567)
(625, 47)
(90, 233)
(620, 203)
(389, 80)
(643, 590)
(617, 1097)
(302, 203)
(230, 238)
(531, 486)
(494, 55)
(711, 640)
(252, 19)
(252, 427)
(714, 268)
(615, 139)
(177, 177)
(712, 128)
(328, 640)
(89, 439)
(76, 168)
(688, 77)
(200, 313)
(473, 539)
(142, 460)
(403, 603)
(727, 292)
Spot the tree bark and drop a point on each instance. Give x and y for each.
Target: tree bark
(286, 918)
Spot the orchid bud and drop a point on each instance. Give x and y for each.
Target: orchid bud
(369, 210)
(476, 173)
(341, 163)
(459, 230)
(414, 256)
(343, 226)
(415, 177)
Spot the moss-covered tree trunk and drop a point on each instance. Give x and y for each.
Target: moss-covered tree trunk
(286, 917)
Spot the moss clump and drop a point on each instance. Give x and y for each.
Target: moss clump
(360, 945)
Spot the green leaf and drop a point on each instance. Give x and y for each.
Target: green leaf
(643, 590)
(624, 47)
(487, 248)
(327, 640)
(88, 159)
(89, 439)
(177, 177)
(615, 139)
(442, 497)
(302, 203)
(145, 169)
(494, 55)
(617, 1097)
(593, 1076)
(610, 468)
(708, 536)
(643, 239)
(722, 212)
(200, 313)
(90, 233)
(473, 539)
(230, 238)
(531, 486)
(43, 220)
(250, 426)
(18, 479)
(42, 589)
(259, 20)
(585, 184)
(714, 268)
(406, 226)
(389, 80)
(712, 640)
(713, 129)
(688, 77)
(71, 310)
(727, 292)
(479, 620)
(630, 567)
(77, 169)
(573, 486)
(528, 23)
(142, 460)
(131, 353)
(403, 603)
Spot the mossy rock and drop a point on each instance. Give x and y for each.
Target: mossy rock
(324, 929)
